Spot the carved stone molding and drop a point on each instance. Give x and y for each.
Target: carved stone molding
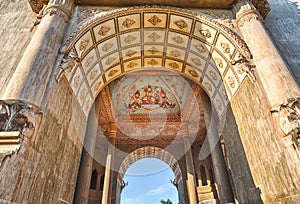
(288, 118)
(19, 116)
(61, 8)
(246, 12)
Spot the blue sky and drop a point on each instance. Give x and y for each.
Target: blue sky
(148, 183)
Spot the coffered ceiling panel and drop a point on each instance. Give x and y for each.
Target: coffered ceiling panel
(191, 44)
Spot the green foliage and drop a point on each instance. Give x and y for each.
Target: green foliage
(166, 202)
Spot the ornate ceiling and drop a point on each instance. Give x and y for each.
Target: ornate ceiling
(115, 43)
(160, 125)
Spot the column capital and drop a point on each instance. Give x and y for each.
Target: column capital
(246, 12)
(61, 8)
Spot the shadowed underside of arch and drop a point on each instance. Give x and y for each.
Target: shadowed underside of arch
(115, 43)
(150, 152)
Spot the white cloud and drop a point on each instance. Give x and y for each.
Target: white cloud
(160, 190)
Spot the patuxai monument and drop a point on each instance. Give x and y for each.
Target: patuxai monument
(209, 87)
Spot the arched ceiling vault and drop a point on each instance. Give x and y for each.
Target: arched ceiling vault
(115, 43)
(150, 152)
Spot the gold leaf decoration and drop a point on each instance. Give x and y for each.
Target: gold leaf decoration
(152, 62)
(93, 74)
(110, 60)
(231, 81)
(193, 73)
(129, 39)
(154, 20)
(174, 65)
(175, 53)
(132, 65)
(83, 44)
(196, 61)
(225, 47)
(208, 86)
(98, 85)
(112, 73)
(76, 81)
(219, 63)
(154, 36)
(153, 50)
(130, 53)
(107, 47)
(128, 23)
(213, 75)
(82, 94)
(181, 24)
(104, 30)
(205, 33)
(89, 61)
(200, 48)
(178, 39)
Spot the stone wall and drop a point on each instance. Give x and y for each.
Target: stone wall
(273, 161)
(283, 23)
(45, 171)
(16, 29)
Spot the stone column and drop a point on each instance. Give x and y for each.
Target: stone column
(271, 69)
(191, 186)
(31, 77)
(107, 189)
(84, 178)
(86, 163)
(218, 161)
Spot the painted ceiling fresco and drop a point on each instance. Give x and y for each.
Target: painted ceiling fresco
(136, 94)
(150, 106)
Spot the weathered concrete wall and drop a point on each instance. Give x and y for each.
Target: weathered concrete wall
(273, 162)
(46, 171)
(283, 23)
(16, 22)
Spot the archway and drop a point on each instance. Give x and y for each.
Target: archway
(165, 162)
(156, 40)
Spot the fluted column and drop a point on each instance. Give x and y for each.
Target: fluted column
(107, 189)
(31, 77)
(191, 186)
(271, 69)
